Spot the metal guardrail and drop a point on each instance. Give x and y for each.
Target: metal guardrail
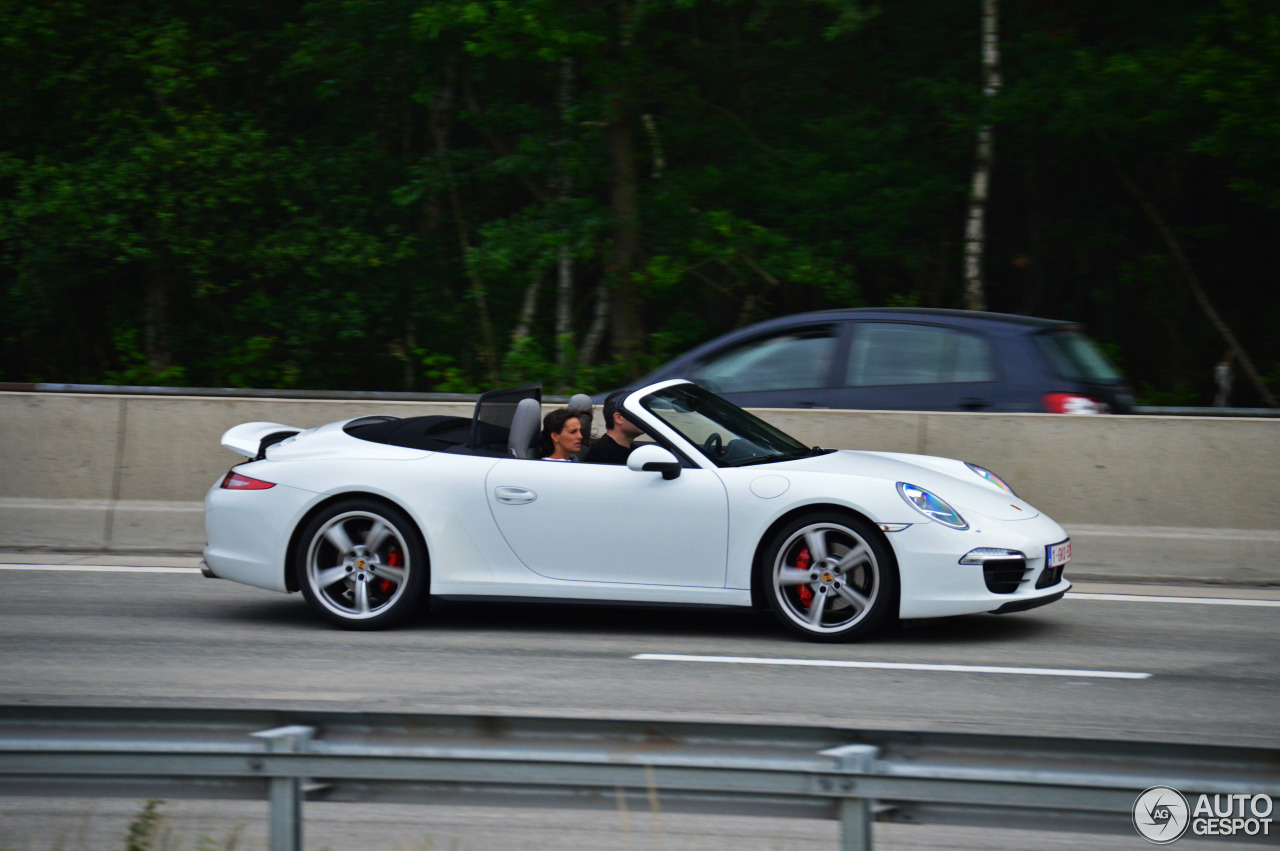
(856, 776)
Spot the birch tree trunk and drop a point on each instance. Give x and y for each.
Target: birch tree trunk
(975, 297)
(528, 310)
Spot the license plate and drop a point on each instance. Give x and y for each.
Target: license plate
(1058, 554)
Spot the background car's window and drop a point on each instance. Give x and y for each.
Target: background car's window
(889, 353)
(798, 360)
(1073, 355)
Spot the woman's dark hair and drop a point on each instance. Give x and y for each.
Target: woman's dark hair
(553, 423)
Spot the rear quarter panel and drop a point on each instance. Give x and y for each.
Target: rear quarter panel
(443, 493)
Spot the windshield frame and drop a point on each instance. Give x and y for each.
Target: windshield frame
(754, 441)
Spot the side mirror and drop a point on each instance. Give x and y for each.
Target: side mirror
(651, 458)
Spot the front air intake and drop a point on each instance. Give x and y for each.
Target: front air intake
(1003, 575)
(1050, 576)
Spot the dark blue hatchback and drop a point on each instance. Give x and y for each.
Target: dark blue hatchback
(907, 359)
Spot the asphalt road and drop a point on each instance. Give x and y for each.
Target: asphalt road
(140, 636)
(176, 638)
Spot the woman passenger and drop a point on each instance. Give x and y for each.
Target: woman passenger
(561, 435)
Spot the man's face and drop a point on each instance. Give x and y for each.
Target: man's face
(626, 426)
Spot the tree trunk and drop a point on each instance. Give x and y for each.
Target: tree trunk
(599, 320)
(624, 202)
(564, 258)
(156, 340)
(410, 343)
(440, 136)
(528, 309)
(975, 297)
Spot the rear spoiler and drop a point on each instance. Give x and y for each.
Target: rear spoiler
(252, 439)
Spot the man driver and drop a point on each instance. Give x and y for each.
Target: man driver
(614, 445)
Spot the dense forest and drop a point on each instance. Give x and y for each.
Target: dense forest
(452, 194)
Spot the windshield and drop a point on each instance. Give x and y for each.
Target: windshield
(725, 433)
(1075, 356)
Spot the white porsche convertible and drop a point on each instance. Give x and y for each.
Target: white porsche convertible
(370, 517)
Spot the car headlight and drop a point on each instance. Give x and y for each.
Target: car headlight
(991, 477)
(932, 506)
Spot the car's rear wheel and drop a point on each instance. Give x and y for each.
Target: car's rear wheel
(361, 564)
(830, 577)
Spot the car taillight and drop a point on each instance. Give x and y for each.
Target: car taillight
(1073, 403)
(233, 481)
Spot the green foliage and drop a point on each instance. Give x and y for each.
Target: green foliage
(229, 843)
(1181, 394)
(443, 375)
(135, 369)
(144, 829)
(381, 194)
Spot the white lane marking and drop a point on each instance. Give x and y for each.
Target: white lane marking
(894, 666)
(1147, 598)
(99, 568)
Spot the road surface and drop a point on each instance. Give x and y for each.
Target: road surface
(1124, 662)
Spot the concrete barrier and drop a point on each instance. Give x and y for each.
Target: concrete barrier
(1146, 499)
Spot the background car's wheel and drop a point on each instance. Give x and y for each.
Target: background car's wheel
(830, 577)
(361, 564)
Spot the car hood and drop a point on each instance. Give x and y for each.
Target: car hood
(947, 478)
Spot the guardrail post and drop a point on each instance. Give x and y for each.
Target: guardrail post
(854, 811)
(284, 794)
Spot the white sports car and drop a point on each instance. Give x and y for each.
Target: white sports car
(369, 517)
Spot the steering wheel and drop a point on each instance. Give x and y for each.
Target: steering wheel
(713, 444)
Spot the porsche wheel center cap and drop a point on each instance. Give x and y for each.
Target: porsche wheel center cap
(360, 564)
(827, 577)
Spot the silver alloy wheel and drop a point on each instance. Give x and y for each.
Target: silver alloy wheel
(826, 578)
(357, 565)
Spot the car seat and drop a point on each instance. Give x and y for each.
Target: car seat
(525, 425)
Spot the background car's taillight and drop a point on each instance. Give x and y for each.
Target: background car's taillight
(236, 482)
(1073, 403)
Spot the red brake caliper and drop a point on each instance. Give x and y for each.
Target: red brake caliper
(393, 560)
(803, 561)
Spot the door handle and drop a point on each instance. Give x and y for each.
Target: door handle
(514, 496)
(972, 403)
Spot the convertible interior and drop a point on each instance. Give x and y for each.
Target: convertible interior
(505, 424)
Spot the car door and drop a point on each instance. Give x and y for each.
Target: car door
(608, 523)
(904, 366)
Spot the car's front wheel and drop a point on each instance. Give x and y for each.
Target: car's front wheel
(361, 564)
(830, 577)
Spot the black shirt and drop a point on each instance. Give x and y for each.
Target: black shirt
(607, 451)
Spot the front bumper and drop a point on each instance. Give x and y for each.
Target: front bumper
(935, 584)
(1024, 605)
